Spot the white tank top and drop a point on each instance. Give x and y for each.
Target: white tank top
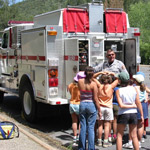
(128, 96)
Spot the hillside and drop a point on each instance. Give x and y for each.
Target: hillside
(27, 9)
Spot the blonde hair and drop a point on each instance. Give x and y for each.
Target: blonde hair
(142, 86)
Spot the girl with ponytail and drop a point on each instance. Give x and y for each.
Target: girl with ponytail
(139, 81)
(88, 109)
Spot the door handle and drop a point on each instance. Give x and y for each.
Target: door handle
(7, 58)
(75, 69)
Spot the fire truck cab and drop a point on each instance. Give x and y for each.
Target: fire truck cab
(38, 61)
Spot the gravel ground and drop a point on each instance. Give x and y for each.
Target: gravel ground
(21, 143)
(25, 141)
(54, 131)
(66, 139)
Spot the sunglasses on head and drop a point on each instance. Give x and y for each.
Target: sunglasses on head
(111, 54)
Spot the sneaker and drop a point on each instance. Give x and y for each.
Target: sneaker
(139, 144)
(106, 144)
(74, 144)
(99, 142)
(74, 141)
(142, 140)
(110, 139)
(77, 138)
(128, 145)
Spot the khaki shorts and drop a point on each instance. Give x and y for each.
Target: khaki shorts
(115, 110)
(107, 114)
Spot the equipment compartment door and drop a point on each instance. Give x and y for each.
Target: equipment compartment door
(130, 56)
(71, 60)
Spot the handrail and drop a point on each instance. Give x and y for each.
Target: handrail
(97, 1)
(121, 9)
(79, 7)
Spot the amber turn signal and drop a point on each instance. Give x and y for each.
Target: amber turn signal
(52, 32)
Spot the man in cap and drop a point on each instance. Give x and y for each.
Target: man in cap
(111, 64)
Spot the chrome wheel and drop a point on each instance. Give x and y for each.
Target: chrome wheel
(27, 102)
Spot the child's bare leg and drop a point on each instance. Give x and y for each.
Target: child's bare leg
(100, 129)
(120, 132)
(140, 128)
(115, 125)
(74, 123)
(133, 133)
(95, 129)
(110, 127)
(106, 129)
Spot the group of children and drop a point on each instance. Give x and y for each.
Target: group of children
(111, 103)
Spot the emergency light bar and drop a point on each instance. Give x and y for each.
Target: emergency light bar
(13, 22)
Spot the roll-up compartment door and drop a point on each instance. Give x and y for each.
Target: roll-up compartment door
(71, 60)
(116, 21)
(130, 56)
(75, 20)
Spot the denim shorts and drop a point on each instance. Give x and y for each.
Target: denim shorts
(130, 118)
(73, 108)
(145, 111)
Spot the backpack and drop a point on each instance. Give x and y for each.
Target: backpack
(8, 130)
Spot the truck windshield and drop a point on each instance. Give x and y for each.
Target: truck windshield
(5, 40)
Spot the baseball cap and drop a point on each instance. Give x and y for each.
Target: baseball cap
(79, 75)
(141, 73)
(123, 76)
(139, 78)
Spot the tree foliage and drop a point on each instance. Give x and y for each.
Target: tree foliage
(27, 9)
(138, 12)
(139, 17)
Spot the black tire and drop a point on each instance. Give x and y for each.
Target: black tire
(29, 105)
(1, 97)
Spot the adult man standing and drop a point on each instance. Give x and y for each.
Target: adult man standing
(111, 64)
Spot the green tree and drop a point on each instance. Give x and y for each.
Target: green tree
(127, 4)
(139, 17)
(4, 13)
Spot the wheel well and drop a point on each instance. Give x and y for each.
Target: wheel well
(24, 80)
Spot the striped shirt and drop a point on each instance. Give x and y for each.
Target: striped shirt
(86, 95)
